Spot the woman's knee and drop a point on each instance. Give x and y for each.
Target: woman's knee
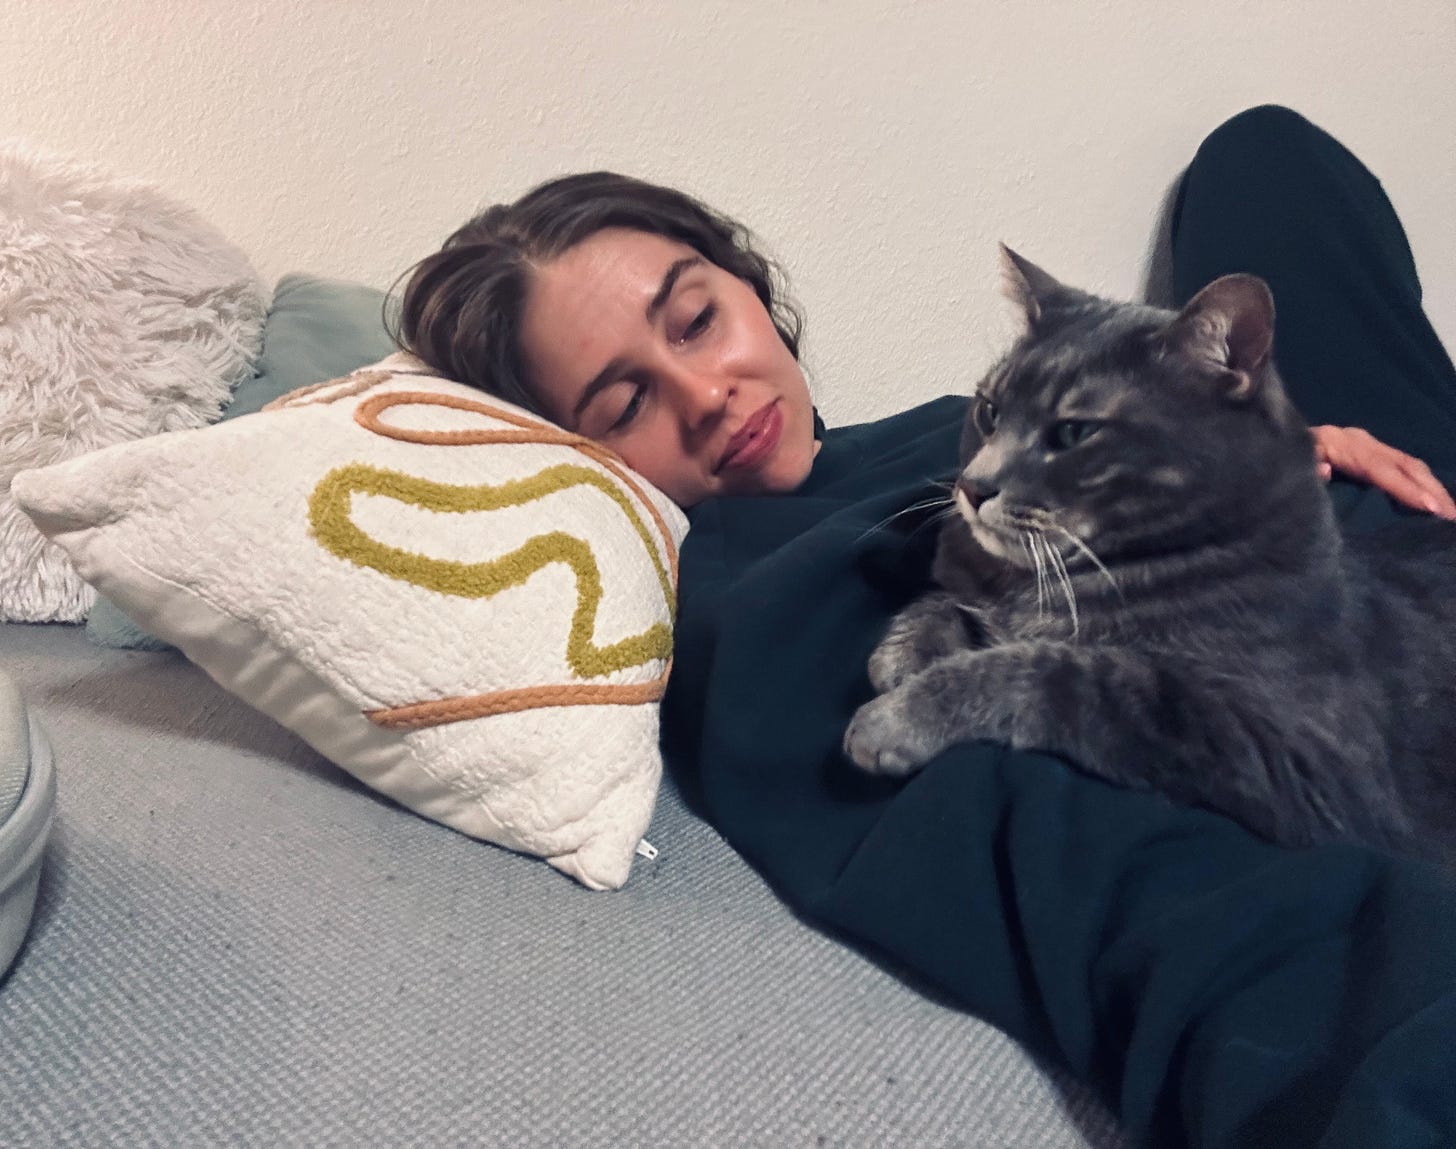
(1268, 179)
(1262, 139)
(1266, 128)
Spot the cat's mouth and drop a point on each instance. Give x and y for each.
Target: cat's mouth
(1025, 536)
(997, 526)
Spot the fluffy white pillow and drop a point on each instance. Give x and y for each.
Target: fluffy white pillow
(463, 606)
(122, 314)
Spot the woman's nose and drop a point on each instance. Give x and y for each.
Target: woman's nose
(700, 396)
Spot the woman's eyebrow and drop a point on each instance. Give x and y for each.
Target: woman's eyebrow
(669, 281)
(608, 374)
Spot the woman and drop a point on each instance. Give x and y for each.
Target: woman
(1214, 988)
(641, 318)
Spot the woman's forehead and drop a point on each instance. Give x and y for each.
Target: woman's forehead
(612, 265)
(587, 306)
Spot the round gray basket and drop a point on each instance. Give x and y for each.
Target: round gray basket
(27, 803)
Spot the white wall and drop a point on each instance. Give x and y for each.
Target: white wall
(880, 148)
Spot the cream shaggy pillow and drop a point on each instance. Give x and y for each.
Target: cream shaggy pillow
(122, 314)
(466, 608)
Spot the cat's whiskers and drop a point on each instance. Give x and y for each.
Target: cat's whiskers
(1095, 561)
(1043, 520)
(943, 501)
(1060, 567)
(1043, 576)
(1049, 563)
(1028, 544)
(1043, 556)
(1029, 534)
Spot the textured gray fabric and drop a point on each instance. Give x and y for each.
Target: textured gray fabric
(236, 944)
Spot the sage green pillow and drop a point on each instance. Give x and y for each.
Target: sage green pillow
(317, 329)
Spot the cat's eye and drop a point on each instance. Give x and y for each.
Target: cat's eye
(983, 414)
(1068, 433)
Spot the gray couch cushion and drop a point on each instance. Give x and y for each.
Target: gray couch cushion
(237, 944)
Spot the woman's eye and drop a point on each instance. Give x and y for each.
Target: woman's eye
(1067, 433)
(631, 410)
(985, 416)
(700, 323)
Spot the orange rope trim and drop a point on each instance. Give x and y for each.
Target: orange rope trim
(308, 396)
(419, 715)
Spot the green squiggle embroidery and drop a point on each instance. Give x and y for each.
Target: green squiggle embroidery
(330, 517)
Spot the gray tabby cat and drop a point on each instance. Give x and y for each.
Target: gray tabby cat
(1145, 575)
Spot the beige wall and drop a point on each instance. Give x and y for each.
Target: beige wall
(879, 147)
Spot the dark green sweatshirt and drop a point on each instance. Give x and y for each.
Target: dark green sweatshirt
(1216, 990)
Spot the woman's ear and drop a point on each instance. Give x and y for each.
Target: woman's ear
(1230, 323)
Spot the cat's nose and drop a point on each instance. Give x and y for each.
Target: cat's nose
(976, 490)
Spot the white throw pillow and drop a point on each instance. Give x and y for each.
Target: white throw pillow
(122, 314)
(465, 607)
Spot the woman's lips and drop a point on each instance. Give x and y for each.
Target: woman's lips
(755, 440)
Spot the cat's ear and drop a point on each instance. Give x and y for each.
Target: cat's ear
(1231, 324)
(1039, 296)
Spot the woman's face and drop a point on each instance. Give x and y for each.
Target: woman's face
(640, 343)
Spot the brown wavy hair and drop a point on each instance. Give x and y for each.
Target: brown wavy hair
(460, 310)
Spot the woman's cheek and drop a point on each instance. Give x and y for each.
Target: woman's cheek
(658, 458)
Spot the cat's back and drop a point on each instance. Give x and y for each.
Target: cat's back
(1409, 562)
(1401, 586)
(1403, 576)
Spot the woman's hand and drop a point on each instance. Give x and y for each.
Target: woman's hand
(1362, 456)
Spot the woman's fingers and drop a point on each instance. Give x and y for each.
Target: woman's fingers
(1359, 454)
(1399, 480)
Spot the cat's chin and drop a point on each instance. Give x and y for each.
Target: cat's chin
(994, 543)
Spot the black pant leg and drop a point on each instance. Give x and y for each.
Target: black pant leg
(1270, 193)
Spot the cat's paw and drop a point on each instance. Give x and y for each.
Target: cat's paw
(895, 660)
(917, 638)
(881, 739)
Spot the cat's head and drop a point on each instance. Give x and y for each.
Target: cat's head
(1122, 429)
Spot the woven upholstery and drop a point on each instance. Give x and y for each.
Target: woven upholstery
(237, 944)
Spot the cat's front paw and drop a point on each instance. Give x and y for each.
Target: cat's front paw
(917, 638)
(894, 660)
(882, 738)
